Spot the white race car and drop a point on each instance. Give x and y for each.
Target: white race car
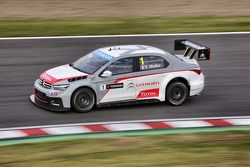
(123, 75)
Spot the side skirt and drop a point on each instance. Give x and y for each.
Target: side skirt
(127, 102)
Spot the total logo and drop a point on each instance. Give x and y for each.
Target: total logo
(148, 93)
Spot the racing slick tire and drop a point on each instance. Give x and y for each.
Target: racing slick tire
(83, 100)
(177, 93)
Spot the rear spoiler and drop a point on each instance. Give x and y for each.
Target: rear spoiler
(203, 52)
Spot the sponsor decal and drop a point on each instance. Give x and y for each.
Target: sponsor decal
(102, 55)
(148, 93)
(147, 84)
(114, 86)
(111, 86)
(151, 66)
(202, 56)
(131, 85)
(47, 78)
(53, 93)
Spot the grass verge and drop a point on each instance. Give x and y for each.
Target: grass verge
(32, 27)
(229, 148)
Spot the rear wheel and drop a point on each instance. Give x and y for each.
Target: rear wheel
(83, 100)
(177, 93)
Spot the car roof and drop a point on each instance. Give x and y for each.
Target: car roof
(120, 50)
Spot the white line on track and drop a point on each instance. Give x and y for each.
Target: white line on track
(65, 130)
(189, 124)
(130, 35)
(10, 134)
(132, 121)
(127, 126)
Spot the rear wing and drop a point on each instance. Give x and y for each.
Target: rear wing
(192, 49)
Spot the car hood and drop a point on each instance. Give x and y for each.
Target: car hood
(61, 73)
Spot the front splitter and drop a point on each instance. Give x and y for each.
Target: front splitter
(33, 100)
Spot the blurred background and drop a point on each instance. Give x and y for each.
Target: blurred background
(96, 17)
(121, 8)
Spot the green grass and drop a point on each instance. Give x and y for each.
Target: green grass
(224, 149)
(32, 27)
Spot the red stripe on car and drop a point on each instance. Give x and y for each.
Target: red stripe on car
(137, 76)
(51, 80)
(48, 78)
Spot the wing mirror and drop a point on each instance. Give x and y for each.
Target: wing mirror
(106, 74)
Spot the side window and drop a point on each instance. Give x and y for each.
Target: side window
(121, 66)
(152, 62)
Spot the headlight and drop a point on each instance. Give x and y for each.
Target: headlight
(61, 87)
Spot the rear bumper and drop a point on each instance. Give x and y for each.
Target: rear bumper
(197, 90)
(197, 85)
(53, 104)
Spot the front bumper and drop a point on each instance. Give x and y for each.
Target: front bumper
(49, 103)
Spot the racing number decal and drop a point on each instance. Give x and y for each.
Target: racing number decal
(111, 86)
(102, 87)
(142, 64)
(141, 61)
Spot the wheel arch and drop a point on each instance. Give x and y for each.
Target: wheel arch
(178, 79)
(88, 87)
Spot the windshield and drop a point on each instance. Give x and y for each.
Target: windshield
(91, 62)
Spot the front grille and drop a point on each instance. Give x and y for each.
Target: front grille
(41, 95)
(44, 84)
(48, 102)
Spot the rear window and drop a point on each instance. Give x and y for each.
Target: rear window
(152, 62)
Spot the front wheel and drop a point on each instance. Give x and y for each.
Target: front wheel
(177, 93)
(83, 100)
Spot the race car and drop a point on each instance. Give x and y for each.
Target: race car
(125, 74)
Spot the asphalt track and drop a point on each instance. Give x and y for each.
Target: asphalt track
(227, 91)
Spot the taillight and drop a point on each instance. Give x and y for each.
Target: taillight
(209, 54)
(197, 71)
